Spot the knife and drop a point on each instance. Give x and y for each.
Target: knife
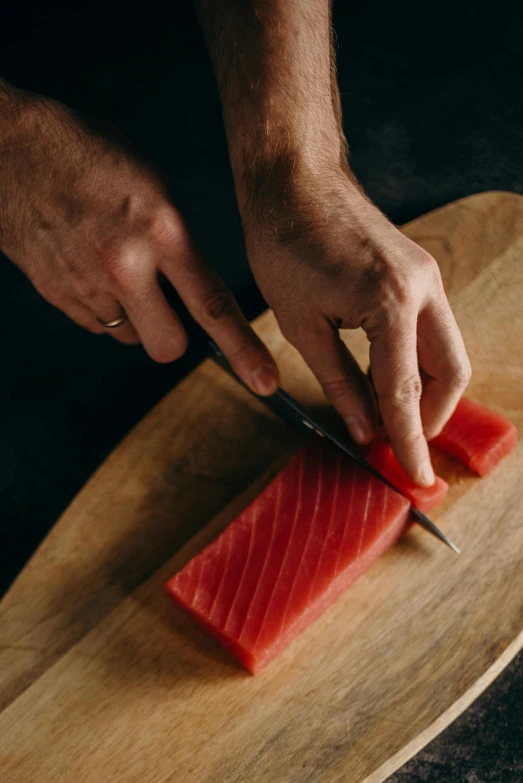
(290, 410)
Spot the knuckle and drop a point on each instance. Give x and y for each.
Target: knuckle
(163, 224)
(77, 276)
(410, 439)
(376, 263)
(460, 376)
(396, 291)
(121, 276)
(392, 281)
(431, 265)
(219, 305)
(405, 393)
(335, 389)
(115, 264)
(430, 268)
(400, 288)
(84, 288)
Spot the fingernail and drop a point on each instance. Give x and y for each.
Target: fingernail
(426, 474)
(264, 380)
(358, 429)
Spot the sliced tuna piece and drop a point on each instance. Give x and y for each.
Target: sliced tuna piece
(315, 529)
(478, 437)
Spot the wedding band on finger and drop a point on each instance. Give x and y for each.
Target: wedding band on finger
(115, 322)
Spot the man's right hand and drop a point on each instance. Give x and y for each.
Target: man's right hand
(92, 227)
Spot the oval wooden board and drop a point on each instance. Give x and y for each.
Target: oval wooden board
(101, 679)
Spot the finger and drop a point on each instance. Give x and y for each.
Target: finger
(81, 315)
(105, 308)
(342, 380)
(443, 357)
(69, 305)
(214, 307)
(156, 323)
(394, 363)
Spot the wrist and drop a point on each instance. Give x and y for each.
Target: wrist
(282, 190)
(272, 143)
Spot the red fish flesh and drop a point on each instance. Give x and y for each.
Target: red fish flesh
(380, 455)
(478, 437)
(315, 529)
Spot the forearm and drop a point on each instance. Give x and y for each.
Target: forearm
(275, 69)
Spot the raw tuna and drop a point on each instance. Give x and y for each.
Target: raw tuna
(476, 436)
(380, 455)
(315, 529)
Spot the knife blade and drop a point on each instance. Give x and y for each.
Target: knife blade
(286, 407)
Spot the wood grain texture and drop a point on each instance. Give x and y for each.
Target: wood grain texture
(101, 679)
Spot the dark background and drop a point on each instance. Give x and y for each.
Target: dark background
(433, 111)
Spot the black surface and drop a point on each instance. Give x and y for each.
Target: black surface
(433, 111)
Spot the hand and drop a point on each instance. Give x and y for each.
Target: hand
(325, 258)
(93, 228)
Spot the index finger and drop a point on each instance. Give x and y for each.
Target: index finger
(397, 382)
(214, 307)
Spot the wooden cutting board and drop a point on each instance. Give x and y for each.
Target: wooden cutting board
(102, 680)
